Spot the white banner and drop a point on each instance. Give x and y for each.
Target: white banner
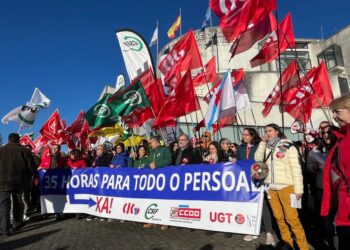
(135, 51)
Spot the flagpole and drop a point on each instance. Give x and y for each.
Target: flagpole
(280, 71)
(305, 75)
(180, 23)
(256, 126)
(157, 43)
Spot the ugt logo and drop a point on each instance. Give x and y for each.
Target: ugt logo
(129, 208)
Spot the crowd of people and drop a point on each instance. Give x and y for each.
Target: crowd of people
(318, 168)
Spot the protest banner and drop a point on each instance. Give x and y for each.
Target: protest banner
(218, 197)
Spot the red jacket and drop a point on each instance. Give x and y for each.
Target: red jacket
(76, 164)
(46, 162)
(336, 193)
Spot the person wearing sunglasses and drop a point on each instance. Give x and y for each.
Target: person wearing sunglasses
(228, 150)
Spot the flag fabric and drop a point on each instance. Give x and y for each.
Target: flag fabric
(83, 136)
(26, 140)
(176, 25)
(304, 98)
(24, 115)
(235, 17)
(237, 75)
(289, 79)
(39, 99)
(128, 100)
(154, 38)
(53, 128)
(101, 114)
(206, 20)
(269, 51)
(39, 143)
(222, 102)
(241, 97)
(135, 51)
(183, 56)
(322, 87)
(253, 34)
(180, 102)
(156, 99)
(76, 125)
(120, 83)
(209, 75)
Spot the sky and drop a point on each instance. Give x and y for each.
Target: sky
(68, 48)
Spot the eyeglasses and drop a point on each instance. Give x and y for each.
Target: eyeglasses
(205, 136)
(324, 132)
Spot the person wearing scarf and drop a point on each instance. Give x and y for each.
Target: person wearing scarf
(285, 178)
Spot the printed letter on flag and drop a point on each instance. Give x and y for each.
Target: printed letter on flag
(135, 51)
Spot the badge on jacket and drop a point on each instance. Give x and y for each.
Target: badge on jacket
(280, 155)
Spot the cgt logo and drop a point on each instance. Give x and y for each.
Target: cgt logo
(151, 211)
(129, 208)
(185, 212)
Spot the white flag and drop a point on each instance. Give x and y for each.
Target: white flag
(24, 115)
(120, 83)
(39, 99)
(154, 38)
(241, 97)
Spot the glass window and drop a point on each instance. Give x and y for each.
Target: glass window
(288, 56)
(343, 85)
(332, 57)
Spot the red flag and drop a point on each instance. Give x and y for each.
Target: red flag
(84, 136)
(240, 15)
(25, 140)
(304, 99)
(253, 34)
(224, 122)
(76, 125)
(185, 47)
(208, 76)
(289, 79)
(322, 87)
(39, 142)
(269, 51)
(180, 102)
(53, 128)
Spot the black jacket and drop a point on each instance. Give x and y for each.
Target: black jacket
(103, 160)
(189, 156)
(16, 167)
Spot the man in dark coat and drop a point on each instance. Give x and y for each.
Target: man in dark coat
(16, 171)
(185, 154)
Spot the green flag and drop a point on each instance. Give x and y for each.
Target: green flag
(126, 101)
(101, 114)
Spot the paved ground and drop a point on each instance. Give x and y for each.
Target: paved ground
(71, 233)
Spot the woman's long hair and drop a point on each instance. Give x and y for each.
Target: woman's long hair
(280, 134)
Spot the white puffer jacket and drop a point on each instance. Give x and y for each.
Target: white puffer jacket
(284, 166)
